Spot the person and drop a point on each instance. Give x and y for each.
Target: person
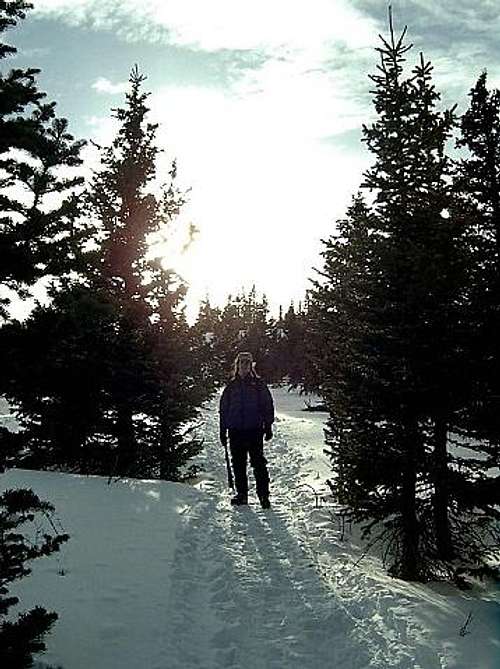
(247, 414)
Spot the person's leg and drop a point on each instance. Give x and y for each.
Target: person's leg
(259, 465)
(238, 449)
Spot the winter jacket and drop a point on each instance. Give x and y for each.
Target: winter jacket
(246, 404)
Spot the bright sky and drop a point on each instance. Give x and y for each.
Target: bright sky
(261, 103)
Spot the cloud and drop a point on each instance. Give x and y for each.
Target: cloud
(272, 151)
(33, 53)
(292, 36)
(265, 187)
(459, 37)
(103, 85)
(297, 50)
(222, 24)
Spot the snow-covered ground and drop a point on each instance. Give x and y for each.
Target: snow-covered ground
(161, 575)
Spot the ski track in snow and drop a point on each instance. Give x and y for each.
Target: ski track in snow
(257, 577)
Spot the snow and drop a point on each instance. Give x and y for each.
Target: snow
(165, 575)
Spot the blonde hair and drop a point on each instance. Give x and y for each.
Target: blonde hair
(244, 355)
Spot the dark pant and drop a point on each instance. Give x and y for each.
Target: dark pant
(243, 442)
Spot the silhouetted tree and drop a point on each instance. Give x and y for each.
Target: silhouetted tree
(477, 183)
(34, 146)
(392, 318)
(116, 380)
(22, 637)
(39, 231)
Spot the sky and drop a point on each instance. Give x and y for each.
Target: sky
(261, 103)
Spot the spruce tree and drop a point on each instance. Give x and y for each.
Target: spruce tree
(117, 379)
(229, 334)
(339, 332)
(277, 348)
(393, 323)
(296, 328)
(207, 331)
(420, 265)
(39, 231)
(245, 324)
(478, 184)
(256, 326)
(34, 146)
(22, 637)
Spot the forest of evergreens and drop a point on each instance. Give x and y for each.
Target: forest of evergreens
(397, 335)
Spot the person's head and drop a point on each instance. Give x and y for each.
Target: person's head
(243, 365)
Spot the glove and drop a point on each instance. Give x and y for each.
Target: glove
(223, 437)
(268, 433)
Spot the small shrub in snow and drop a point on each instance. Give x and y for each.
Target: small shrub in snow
(22, 540)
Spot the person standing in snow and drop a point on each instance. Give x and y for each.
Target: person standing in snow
(247, 414)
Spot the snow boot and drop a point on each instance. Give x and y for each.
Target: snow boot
(239, 500)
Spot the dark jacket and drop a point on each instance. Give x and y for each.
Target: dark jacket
(246, 404)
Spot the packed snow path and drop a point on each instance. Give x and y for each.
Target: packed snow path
(275, 604)
(258, 580)
(168, 576)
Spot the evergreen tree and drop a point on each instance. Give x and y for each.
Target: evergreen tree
(229, 334)
(288, 347)
(21, 638)
(478, 184)
(39, 231)
(244, 324)
(207, 331)
(117, 378)
(277, 349)
(34, 146)
(393, 319)
(341, 307)
(295, 324)
(422, 278)
(256, 327)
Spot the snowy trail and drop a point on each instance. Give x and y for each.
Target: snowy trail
(263, 585)
(160, 575)
(246, 570)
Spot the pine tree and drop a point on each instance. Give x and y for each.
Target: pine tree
(34, 145)
(207, 331)
(157, 371)
(339, 331)
(422, 276)
(245, 324)
(394, 325)
(291, 346)
(21, 638)
(117, 378)
(39, 230)
(277, 349)
(230, 334)
(478, 183)
(256, 325)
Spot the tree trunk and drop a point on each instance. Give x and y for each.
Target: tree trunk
(441, 496)
(410, 534)
(127, 446)
(167, 467)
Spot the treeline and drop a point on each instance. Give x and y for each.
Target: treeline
(404, 328)
(246, 324)
(399, 334)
